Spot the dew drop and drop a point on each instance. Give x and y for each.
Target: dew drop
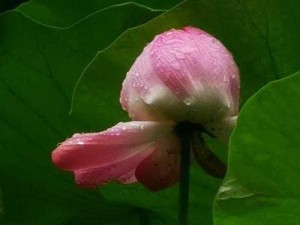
(158, 57)
(225, 78)
(187, 101)
(132, 115)
(180, 56)
(168, 33)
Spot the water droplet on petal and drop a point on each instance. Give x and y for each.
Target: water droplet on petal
(169, 33)
(187, 101)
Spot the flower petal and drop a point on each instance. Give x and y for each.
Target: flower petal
(122, 171)
(199, 70)
(190, 59)
(182, 75)
(84, 151)
(136, 107)
(161, 168)
(145, 97)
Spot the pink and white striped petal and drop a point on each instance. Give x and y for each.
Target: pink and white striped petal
(122, 171)
(161, 169)
(145, 97)
(199, 70)
(182, 75)
(91, 150)
(190, 59)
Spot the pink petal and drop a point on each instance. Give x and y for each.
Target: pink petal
(145, 97)
(182, 75)
(199, 70)
(189, 59)
(122, 171)
(84, 151)
(136, 107)
(161, 168)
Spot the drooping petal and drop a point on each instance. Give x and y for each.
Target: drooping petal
(84, 151)
(122, 171)
(161, 168)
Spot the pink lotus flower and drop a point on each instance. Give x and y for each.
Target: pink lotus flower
(182, 75)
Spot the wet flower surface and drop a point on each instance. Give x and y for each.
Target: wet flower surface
(181, 76)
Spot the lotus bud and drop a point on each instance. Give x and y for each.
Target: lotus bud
(184, 75)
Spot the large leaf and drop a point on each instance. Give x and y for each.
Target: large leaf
(262, 183)
(62, 13)
(38, 70)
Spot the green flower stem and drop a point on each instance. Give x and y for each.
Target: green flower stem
(184, 185)
(184, 131)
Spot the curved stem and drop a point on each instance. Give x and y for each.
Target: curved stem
(208, 161)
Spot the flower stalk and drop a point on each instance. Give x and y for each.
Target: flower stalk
(184, 131)
(184, 184)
